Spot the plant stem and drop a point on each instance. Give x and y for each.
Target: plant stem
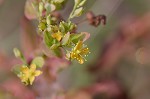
(74, 8)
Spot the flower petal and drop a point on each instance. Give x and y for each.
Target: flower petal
(32, 67)
(80, 59)
(24, 69)
(78, 46)
(73, 55)
(37, 73)
(57, 35)
(31, 79)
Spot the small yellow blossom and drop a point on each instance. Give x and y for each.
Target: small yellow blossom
(27, 75)
(79, 52)
(58, 36)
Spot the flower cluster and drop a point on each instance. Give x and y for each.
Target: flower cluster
(58, 35)
(28, 74)
(62, 34)
(79, 52)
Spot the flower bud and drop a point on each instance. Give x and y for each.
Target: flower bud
(77, 1)
(78, 12)
(48, 20)
(41, 8)
(17, 52)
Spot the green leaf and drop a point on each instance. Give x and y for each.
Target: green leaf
(83, 36)
(48, 40)
(62, 27)
(38, 61)
(78, 12)
(77, 9)
(65, 39)
(81, 3)
(55, 46)
(76, 37)
(48, 8)
(66, 26)
(71, 26)
(41, 8)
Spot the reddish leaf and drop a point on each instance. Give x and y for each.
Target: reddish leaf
(87, 36)
(28, 36)
(30, 12)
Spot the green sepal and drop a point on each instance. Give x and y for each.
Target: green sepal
(65, 39)
(62, 27)
(42, 26)
(38, 61)
(66, 26)
(16, 69)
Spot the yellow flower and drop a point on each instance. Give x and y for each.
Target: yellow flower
(27, 75)
(79, 52)
(57, 36)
